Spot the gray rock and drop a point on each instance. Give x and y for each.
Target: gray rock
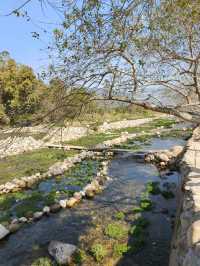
(3, 231)
(61, 252)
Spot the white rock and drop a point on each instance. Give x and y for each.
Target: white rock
(23, 219)
(46, 209)
(63, 203)
(3, 231)
(37, 215)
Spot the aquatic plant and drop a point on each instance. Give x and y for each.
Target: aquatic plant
(79, 257)
(146, 205)
(120, 215)
(98, 251)
(120, 249)
(153, 188)
(167, 194)
(42, 262)
(116, 230)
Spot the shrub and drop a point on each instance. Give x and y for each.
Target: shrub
(116, 231)
(98, 252)
(42, 262)
(120, 249)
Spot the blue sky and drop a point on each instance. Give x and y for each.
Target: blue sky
(16, 35)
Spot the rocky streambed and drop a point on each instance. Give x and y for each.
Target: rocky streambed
(129, 223)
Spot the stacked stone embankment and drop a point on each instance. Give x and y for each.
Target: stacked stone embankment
(185, 249)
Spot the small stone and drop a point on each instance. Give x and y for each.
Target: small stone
(77, 195)
(3, 231)
(55, 207)
(14, 227)
(163, 157)
(14, 221)
(23, 219)
(162, 164)
(37, 215)
(46, 209)
(63, 203)
(71, 202)
(61, 252)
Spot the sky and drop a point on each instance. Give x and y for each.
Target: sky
(16, 36)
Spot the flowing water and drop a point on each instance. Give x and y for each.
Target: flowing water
(129, 177)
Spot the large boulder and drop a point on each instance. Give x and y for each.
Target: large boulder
(61, 252)
(3, 231)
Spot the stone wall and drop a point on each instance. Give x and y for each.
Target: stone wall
(123, 124)
(185, 249)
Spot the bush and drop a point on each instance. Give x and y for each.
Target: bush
(98, 252)
(42, 262)
(116, 231)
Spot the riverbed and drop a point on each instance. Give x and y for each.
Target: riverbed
(129, 178)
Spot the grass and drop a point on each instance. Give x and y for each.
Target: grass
(29, 163)
(92, 139)
(26, 202)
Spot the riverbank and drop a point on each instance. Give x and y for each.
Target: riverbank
(186, 240)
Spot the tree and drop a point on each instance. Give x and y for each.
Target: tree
(130, 48)
(60, 103)
(20, 90)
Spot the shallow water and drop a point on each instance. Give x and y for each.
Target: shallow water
(129, 179)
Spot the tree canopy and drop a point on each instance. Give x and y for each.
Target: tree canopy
(20, 90)
(128, 49)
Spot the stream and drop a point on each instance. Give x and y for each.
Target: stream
(129, 177)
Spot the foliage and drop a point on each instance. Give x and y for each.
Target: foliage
(146, 204)
(42, 262)
(99, 252)
(120, 249)
(30, 163)
(153, 188)
(167, 194)
(120, 215)
(20, 90)
(116, 230)
(79, 256)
